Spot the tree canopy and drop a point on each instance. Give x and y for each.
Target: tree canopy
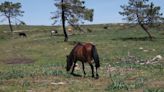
(11, 10)
(72, 12)
(143, 13)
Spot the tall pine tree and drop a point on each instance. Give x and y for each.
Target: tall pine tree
(11, 11)
(72, 12)
(143, 13)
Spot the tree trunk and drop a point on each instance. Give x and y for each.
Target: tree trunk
(11, 28)
(145, 29)
(63, 22)
(142, 26)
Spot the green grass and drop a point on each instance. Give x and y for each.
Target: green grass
(48, 54)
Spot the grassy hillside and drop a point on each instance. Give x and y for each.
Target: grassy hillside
(37, 63)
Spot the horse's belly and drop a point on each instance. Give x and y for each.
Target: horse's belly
(81, 59)
(84, 59)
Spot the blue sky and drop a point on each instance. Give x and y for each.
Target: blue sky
(38, 12)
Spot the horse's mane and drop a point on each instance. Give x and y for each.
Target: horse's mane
(71, 53)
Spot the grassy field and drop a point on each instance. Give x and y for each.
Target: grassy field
(37, 63)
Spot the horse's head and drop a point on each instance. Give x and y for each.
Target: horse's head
(69, 63)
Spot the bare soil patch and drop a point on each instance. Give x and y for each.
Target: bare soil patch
(19, 61)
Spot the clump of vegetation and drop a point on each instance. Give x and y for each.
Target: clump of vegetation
(153, 90)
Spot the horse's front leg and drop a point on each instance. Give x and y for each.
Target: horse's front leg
(83, 68)
(73, 67)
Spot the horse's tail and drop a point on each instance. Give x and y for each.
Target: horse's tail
(95, 56)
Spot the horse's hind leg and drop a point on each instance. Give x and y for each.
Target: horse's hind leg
(83, 68)
(92, 69)
(97, 76)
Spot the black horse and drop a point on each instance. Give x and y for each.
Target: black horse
(22, 34)
(84, 53)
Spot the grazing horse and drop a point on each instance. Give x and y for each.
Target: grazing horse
(22, 34)
(53, 32)
(84, 53)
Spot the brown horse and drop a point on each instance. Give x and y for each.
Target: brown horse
(84, 53)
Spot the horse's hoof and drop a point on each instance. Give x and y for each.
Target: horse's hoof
(84, 75)
(72, 73)
(97, 77)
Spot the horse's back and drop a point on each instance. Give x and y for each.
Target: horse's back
(83, 51)
(78, 52)
(88, 47)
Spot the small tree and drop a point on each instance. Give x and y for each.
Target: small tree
(10, 11)
(142, 13)
(72, 12)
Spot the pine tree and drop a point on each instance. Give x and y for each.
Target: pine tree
(72, 12)
(10, 11)
(141, 12)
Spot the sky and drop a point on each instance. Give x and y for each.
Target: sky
(38, 12)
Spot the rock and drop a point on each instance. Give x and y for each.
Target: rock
(141, 48)
(77, 67)
(59, 83)
(110, 68)
(148, 62)
(142, 63)
(156, 58)
(65, 48)
(153, 50)
(145, 50)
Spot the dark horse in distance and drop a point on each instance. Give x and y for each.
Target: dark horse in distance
(22, 34)
(84, 53)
